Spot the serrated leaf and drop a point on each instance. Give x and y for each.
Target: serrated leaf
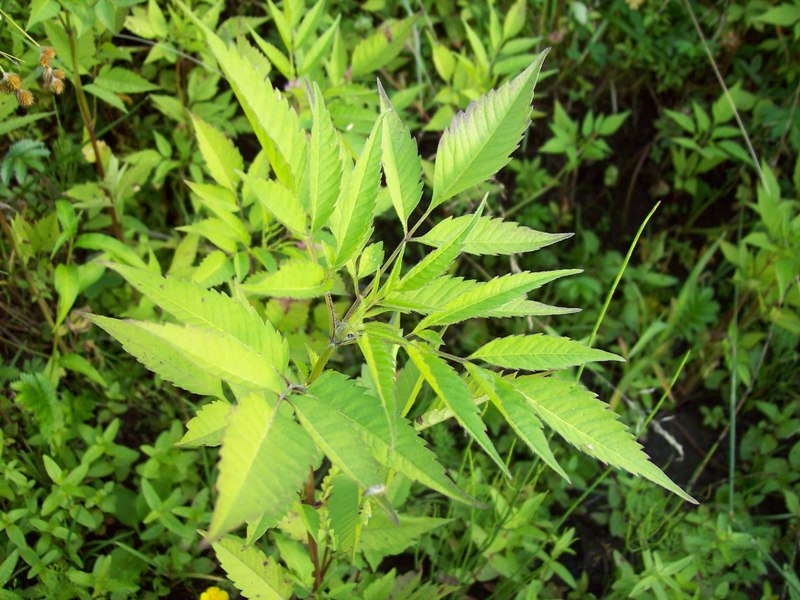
(373, 52)
(343, 513)
(581, 419)
(539, 352)
(491, 236)
(280, 201)
(338, 439)
(355, 208)
(381, 364)
(401, 162)
(221, 202)
(214, 269)
(296, 278)
(324, 164)
(370, 260)
(483, 297)
(265, 458)
(41, 10)
(209, 309)
(438, 261)
(308, 26)
(220, 355)
(319, 49)
(160, 356)
(480, 140)
(524, 308)
(456, 395)
(517, 413)
(207, 427)
(275, 56)
(216, 231)
(274, 122)
(221, 156)
(409, 455)
(251, 571)
(429, 298)
(122, 81)
(282, 24)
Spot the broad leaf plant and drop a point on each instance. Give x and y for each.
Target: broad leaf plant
(275, 418)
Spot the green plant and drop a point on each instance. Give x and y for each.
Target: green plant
(291, 408)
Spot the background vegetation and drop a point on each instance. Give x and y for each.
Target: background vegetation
(98, 142)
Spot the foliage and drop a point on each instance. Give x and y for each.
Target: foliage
(108, 109)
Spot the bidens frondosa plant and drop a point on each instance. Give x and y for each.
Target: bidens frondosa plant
(276, 418)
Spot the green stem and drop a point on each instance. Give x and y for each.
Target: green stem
(88, 121)
(617, 280)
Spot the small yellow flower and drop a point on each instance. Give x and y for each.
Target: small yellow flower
(214, 593)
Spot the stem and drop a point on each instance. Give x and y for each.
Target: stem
(617, 280)
(312, 543)
(88, 121)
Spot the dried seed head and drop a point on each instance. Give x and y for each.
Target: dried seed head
(59, 74)
(48, 53)
(24, 98)
(47, 75)
(10, 83)
(56, 86)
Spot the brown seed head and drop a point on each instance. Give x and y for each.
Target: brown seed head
(10, 83)
(24, 97)
(59, 74)
(56, 86)
(48, 53)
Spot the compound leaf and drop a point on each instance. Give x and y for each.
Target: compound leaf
(517, 413)
(274, 122)
(221, 156)
(297, 278)
(208, 426)
(483, 297)
(401, 162)
(437, 262)
(265, 458)
(160, 356)
(251, 571)
(382, 367)
(539, 352)
(324, 165)
(581, 419)
(480, 140)
(456, 395)
(491, 236)
(409, 455)
(193, 305)
(338, 439)
(355, 207)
